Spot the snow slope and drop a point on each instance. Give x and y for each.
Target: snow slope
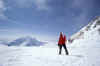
(84, 51)
(85, 33)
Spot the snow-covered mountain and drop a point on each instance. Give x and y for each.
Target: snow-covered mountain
(26, 41)
(85, 33)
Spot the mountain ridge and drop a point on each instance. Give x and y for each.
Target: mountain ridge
(94, 25)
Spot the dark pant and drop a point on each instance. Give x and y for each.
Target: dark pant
(60, 48)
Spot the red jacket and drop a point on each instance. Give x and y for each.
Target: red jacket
(62, 39)
(60, 42)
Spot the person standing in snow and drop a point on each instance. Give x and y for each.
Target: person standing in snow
(62, 43)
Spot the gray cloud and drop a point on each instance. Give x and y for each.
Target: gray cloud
(39, 4)
(2, 9)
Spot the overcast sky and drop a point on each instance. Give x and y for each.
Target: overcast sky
(45, 18)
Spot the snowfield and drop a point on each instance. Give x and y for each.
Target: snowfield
(38, 56)
(84, 51)
(86, 55)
